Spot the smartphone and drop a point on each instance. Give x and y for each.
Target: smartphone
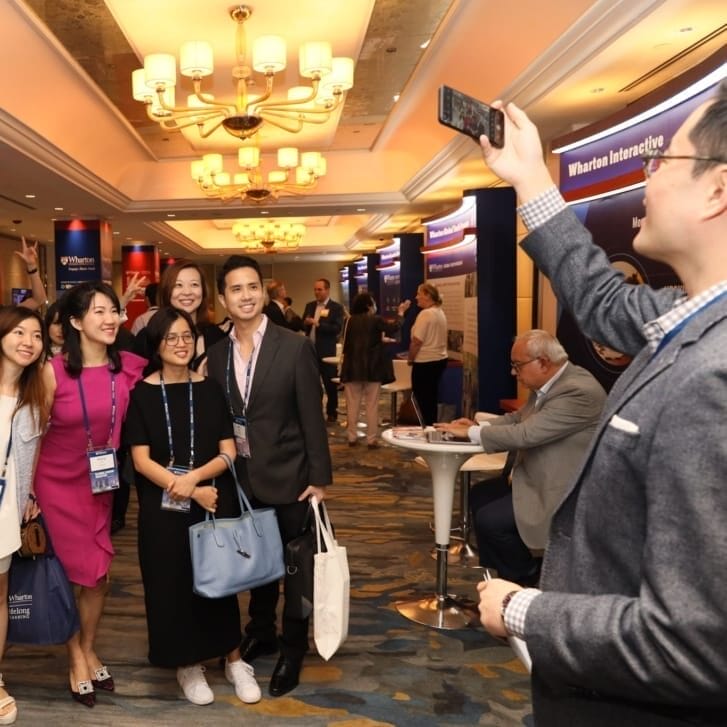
(470, 116)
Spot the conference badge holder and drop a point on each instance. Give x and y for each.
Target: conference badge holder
(168, 503)
(242, 443)
(103, 470)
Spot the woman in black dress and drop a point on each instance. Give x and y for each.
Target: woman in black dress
(177, 426)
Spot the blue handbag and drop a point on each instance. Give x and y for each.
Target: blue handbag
(231, 555)
(41, 605)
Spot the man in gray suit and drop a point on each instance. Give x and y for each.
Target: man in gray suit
(275, 310)
(546, 440)
(631, 625)
(270, 376)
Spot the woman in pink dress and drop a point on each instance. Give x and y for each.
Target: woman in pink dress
(88, 386)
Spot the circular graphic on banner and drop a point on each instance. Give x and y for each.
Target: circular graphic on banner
(603, 353)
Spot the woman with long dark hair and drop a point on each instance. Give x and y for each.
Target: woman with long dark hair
(53, 333)
(178, 426)
(23, 414)
(88, 386)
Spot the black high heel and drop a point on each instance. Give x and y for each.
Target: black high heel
(85, 694)
(103, 679)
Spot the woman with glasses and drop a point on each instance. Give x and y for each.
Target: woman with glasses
(88, 385)
(177, 428)
(428, 350)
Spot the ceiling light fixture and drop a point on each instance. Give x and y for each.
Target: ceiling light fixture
(330, 77)
(270, 236)
(249, 184)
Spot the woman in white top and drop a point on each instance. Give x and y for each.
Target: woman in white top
(23, 414)
(428, 350)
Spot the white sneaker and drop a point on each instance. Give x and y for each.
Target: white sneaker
(242, 676)
(194, 685)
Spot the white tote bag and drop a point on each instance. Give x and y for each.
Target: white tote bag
(331, 588)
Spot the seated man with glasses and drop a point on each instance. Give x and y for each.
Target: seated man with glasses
(546, 440)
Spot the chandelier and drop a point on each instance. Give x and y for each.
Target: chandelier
(296, 173)
(269, 236)
(154, 85)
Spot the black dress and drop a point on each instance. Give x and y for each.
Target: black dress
(183, 628)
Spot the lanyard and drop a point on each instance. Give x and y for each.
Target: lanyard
(671, 334)
(248, 377)
(5, 463)
(86, 422)
(169, 422)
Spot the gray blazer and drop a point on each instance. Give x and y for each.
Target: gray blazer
(286, 430)
(550, 440)
(632, 626)
(26, 439)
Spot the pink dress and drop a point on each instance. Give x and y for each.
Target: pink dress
(79, 522)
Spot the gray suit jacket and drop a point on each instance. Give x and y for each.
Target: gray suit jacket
(632, 626)
(286, 430)
(551, 439)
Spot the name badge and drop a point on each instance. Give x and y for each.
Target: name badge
(242, 443)
(168, 503)
(103, 470)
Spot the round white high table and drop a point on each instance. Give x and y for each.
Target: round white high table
(443, 610)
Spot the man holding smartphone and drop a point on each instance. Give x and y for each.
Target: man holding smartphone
(630, 625)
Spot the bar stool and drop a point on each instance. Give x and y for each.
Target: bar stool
(489, 466)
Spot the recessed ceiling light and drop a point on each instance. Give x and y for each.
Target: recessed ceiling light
(171, 214)
(29, 196)
(264, 212)
(396, 97)
(425, 44)
(360, 209)
(58, 209)
(116, 233)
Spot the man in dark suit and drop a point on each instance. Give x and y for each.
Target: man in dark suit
(271, 378)
(547, 439)
(323, 321)
(630, 625)
(275, 309)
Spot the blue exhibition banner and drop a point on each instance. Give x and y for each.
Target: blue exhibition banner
(614, 161)
(454, 233)
(78, 253)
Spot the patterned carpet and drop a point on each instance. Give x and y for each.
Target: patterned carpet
(390, 671)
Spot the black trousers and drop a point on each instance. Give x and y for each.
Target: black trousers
(498, 540)
(328, 371)
(264, 600)
(425, 387)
